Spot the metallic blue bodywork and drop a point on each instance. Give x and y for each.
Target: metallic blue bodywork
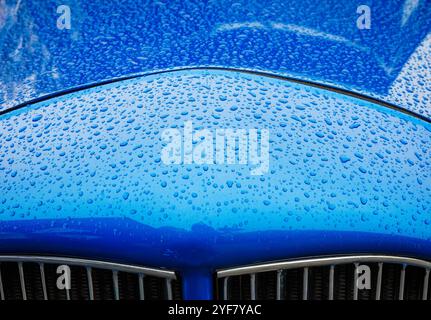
(81, 173)
(306, 39)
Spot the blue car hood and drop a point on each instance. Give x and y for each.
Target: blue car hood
(311, 40)
(90, 173)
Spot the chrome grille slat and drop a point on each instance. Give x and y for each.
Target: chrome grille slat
(115, 282)
(402, 280)
(253, 286)
(280, 283)
(425, 289)
(2, 297)
(90, 283)
(141, 287)
(35, 277)
(321, 278)
(168, 289)
(22, 281)
(43, 280)
(331, 282)
(225, 288)
(355, 282)
(379, 281)
(313, 262)
(94, 263)
(305, 284)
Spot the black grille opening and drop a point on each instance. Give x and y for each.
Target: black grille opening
(176, 290)
(318, 283)
(414, 283)
(239, 288)
(391, 281)
(156, 288)
(293, 282)
(266, 286)
(344, 282)
(33, 281)
(10, 281)
(38, 281)
(103, 285)
(79, 283)
(128, 285)
(374, 281)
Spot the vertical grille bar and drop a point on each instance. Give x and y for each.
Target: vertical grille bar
(90, 283)
(1, 287)
(141, 287)
(426, 280)
(331, 282)
(379, 281)
(43, 280)
(225, 288)
(253, 286)
(280, 283)
(402, 280)
(305, 284)
(355, 282)
(22, 281)
(168, 289)
(115, 281)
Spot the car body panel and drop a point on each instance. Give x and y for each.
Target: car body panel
(82, 175)
(311, 40)
(80, 146)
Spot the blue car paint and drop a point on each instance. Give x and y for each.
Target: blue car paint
(81, 175)
(306, 39)
(309, 40)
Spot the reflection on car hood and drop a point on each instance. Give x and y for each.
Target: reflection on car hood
(310, 40)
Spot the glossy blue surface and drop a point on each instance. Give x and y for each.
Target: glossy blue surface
(81, 174)
(306, 39)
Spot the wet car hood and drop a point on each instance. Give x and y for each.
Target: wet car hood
(311, 40)
(86, 173)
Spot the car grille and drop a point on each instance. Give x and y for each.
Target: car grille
(35, 278)
(328, 278)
